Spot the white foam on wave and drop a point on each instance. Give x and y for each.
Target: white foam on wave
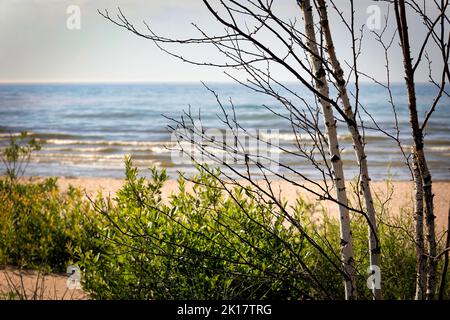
(79, 156)
(103, 142)
(93, 150)
(439, 148)
(284, 136)
(296, 136)
(160, 150)
(8, 135)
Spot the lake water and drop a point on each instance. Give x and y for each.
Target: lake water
(87, 129)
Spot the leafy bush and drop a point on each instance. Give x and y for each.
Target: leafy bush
(201, 245)
(202, 242)
(207, 243)
(40, 225)
(398, 256)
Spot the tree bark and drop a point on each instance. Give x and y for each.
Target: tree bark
(374, 244)
(335, 157)
(445, 267)
(421, 280)
(417, 135)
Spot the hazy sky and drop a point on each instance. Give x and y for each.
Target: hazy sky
(36, 45)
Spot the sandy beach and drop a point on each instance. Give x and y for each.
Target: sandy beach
(399, 192)
(32, 285)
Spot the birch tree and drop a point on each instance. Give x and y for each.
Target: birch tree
(361, 157)
(308, 54)
(333, 144)
(433, 17)
(422, 171)
(314, 66)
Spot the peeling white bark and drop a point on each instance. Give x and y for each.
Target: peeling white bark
(374, 245)
(335, 157)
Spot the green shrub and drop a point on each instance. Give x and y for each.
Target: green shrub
(40, 225)
(398, 256)
(210, 244)
(203, 244)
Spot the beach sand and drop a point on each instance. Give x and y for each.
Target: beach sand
(31, 285)
(400, 193)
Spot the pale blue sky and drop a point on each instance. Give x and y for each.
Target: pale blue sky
(36, 46)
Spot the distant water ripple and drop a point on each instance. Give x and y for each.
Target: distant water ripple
(86, 130)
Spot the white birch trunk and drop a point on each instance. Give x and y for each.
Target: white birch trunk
(374, 245)
(335, 157)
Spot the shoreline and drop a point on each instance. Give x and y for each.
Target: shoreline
(399, 193)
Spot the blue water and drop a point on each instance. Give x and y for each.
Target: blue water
(87, 129)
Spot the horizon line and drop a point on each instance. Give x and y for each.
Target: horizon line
(105, 81)
(81, 82)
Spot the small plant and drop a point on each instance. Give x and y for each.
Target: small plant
(16, 156)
